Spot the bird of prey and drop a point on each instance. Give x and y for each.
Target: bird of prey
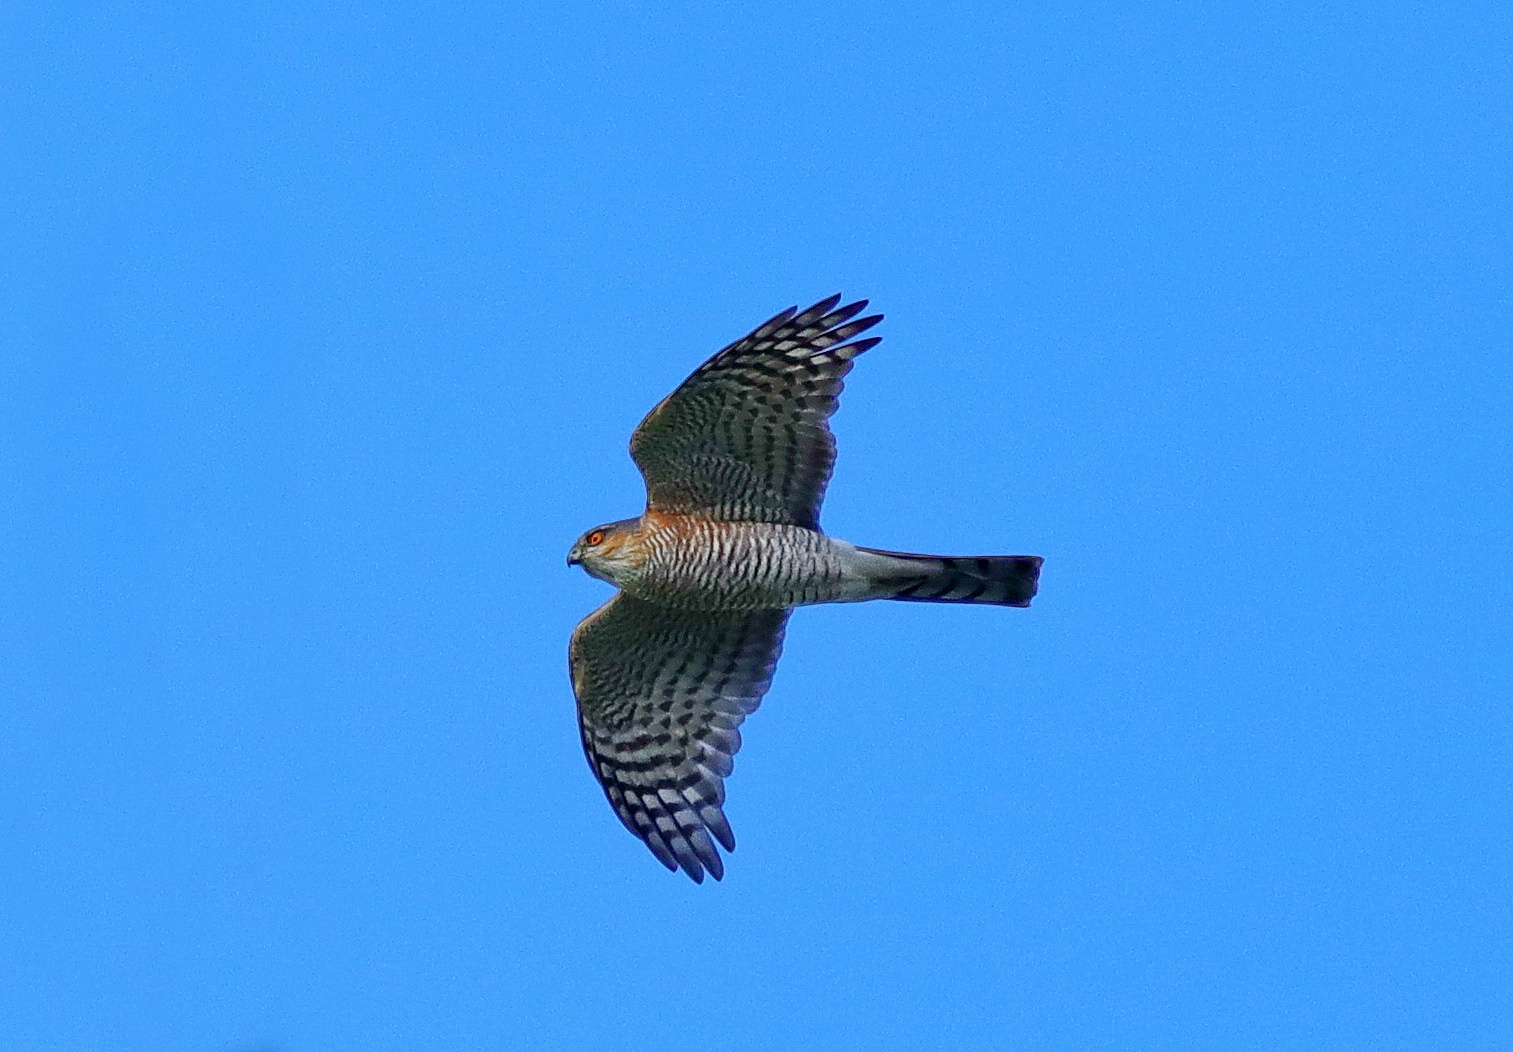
(736, 461)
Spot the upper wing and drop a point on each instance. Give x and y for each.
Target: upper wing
(745, 438)
(661, 694)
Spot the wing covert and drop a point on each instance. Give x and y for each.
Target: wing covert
(745, 438)
(661, 697)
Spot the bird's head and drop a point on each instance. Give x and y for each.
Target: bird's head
(608, 552)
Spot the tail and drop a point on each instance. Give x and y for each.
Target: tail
(994, 580)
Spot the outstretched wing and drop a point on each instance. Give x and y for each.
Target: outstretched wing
(745, 438)
(661, 695)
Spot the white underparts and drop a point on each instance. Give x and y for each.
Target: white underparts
(709, 565)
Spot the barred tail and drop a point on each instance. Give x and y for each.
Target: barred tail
(995, 580)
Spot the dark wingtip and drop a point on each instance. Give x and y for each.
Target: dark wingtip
(818, 311)
(860, 346)
(771, 324)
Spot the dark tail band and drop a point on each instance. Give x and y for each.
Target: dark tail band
(993, 580)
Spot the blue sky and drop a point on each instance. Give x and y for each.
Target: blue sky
(324, 330)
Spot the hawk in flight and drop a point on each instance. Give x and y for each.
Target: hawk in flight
(736, 461)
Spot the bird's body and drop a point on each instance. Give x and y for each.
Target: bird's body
(687, 563)
(736, 463)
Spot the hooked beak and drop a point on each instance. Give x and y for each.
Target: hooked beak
(573, 562)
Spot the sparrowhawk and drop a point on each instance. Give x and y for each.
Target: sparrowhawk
(736, 461)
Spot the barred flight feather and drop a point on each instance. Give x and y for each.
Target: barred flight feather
(661, 693)
(745, 438)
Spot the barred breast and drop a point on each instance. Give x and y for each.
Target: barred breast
(694, 563)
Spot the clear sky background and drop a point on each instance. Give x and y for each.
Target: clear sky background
(325, 327)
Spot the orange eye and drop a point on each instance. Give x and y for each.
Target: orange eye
(597, 537)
